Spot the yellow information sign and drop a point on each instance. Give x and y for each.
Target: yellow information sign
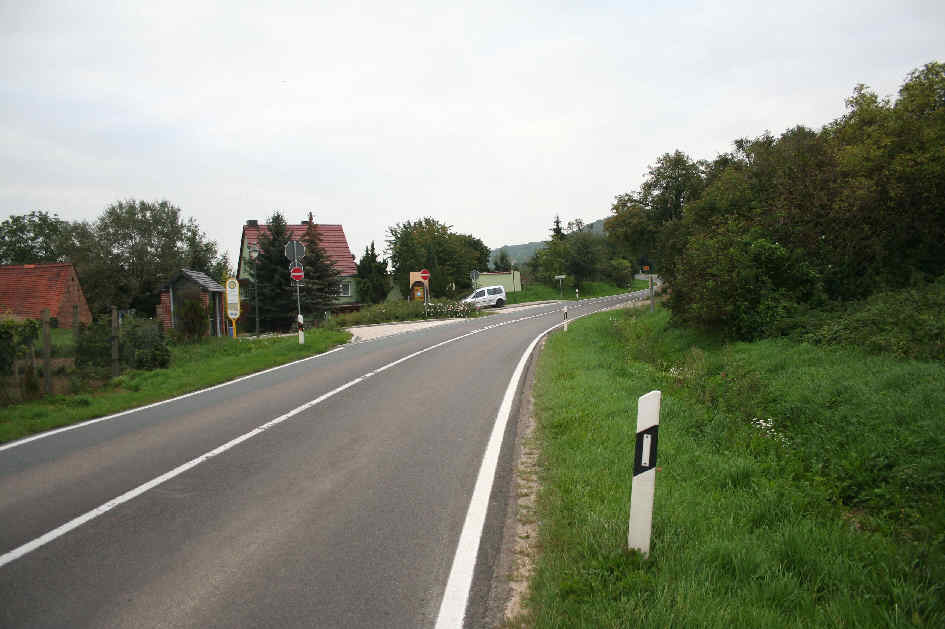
(233, 301)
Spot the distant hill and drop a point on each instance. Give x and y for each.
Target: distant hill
(519, 254)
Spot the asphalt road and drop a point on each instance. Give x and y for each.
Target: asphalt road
(345, 513)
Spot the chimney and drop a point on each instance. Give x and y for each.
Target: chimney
(252, 223)
(311, 219)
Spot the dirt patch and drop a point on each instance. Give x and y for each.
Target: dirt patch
(524, 546)
(520, 534)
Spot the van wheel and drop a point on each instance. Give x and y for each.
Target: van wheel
(499, 303)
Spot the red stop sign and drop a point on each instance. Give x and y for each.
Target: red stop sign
(296, 273)
(425, 275)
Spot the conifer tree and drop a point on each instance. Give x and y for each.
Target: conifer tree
(373, 279)
(321, 285)
(277, 307)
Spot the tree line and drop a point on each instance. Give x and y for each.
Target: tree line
(754, 240)
(123, 257)
(582, 255)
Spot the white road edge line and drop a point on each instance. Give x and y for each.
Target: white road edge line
(456, 596)
(78, 521)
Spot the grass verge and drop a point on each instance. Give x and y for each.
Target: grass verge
(193, 367)
(542, 292)
(831, 517)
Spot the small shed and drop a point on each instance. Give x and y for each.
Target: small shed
(187, 285)
(27, 289)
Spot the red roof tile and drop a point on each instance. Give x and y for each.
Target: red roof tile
(332, 238)
(26, 289)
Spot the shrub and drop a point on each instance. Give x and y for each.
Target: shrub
(906, 323)
(16, 337)
(94, 348)
(143, 345)
(738, 282)
(405, 311)
(192, 321)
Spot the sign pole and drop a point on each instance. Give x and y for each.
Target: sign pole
(644, 473)
(652, 298)
(233, 302)
(298, 302)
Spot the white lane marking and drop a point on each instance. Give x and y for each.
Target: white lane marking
(78, 521)
(456, 596)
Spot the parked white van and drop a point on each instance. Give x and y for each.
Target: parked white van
(487, 296)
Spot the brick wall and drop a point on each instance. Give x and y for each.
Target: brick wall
(164, 311)
(72, 295)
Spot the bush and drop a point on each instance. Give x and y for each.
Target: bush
(405, 311)
(143, 345)
(94, 348)
(192, 321)
(736, 281)
(16, 337)
(906, 323)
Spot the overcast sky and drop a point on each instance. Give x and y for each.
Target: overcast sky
(489, 116)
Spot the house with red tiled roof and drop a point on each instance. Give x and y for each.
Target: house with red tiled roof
(27, 289)
(333, 241)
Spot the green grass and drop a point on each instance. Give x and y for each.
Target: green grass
(61, 341)
(193, 367)
(840, 523)
(542, 292)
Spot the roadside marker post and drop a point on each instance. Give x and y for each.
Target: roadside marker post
(644, 472)
(565, 318)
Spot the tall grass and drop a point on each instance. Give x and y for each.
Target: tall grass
(829, 515)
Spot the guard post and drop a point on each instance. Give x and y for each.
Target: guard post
(644, 473)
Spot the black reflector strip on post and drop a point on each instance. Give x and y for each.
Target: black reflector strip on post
(644, 458)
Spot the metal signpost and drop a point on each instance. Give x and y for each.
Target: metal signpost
(560, 285)
(644, 472)
(646, 269)
(233, 302)
(295, 251)
(425, 276)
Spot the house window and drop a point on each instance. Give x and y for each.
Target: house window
(344, 289)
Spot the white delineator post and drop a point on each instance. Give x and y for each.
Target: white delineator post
(565, 318)
(301, 331)
(644, 472)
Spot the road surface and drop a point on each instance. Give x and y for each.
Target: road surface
(331, 492)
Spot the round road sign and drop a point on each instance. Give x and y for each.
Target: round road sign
(296, 273)
(425, 275)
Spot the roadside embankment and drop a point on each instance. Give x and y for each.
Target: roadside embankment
(800, 485)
